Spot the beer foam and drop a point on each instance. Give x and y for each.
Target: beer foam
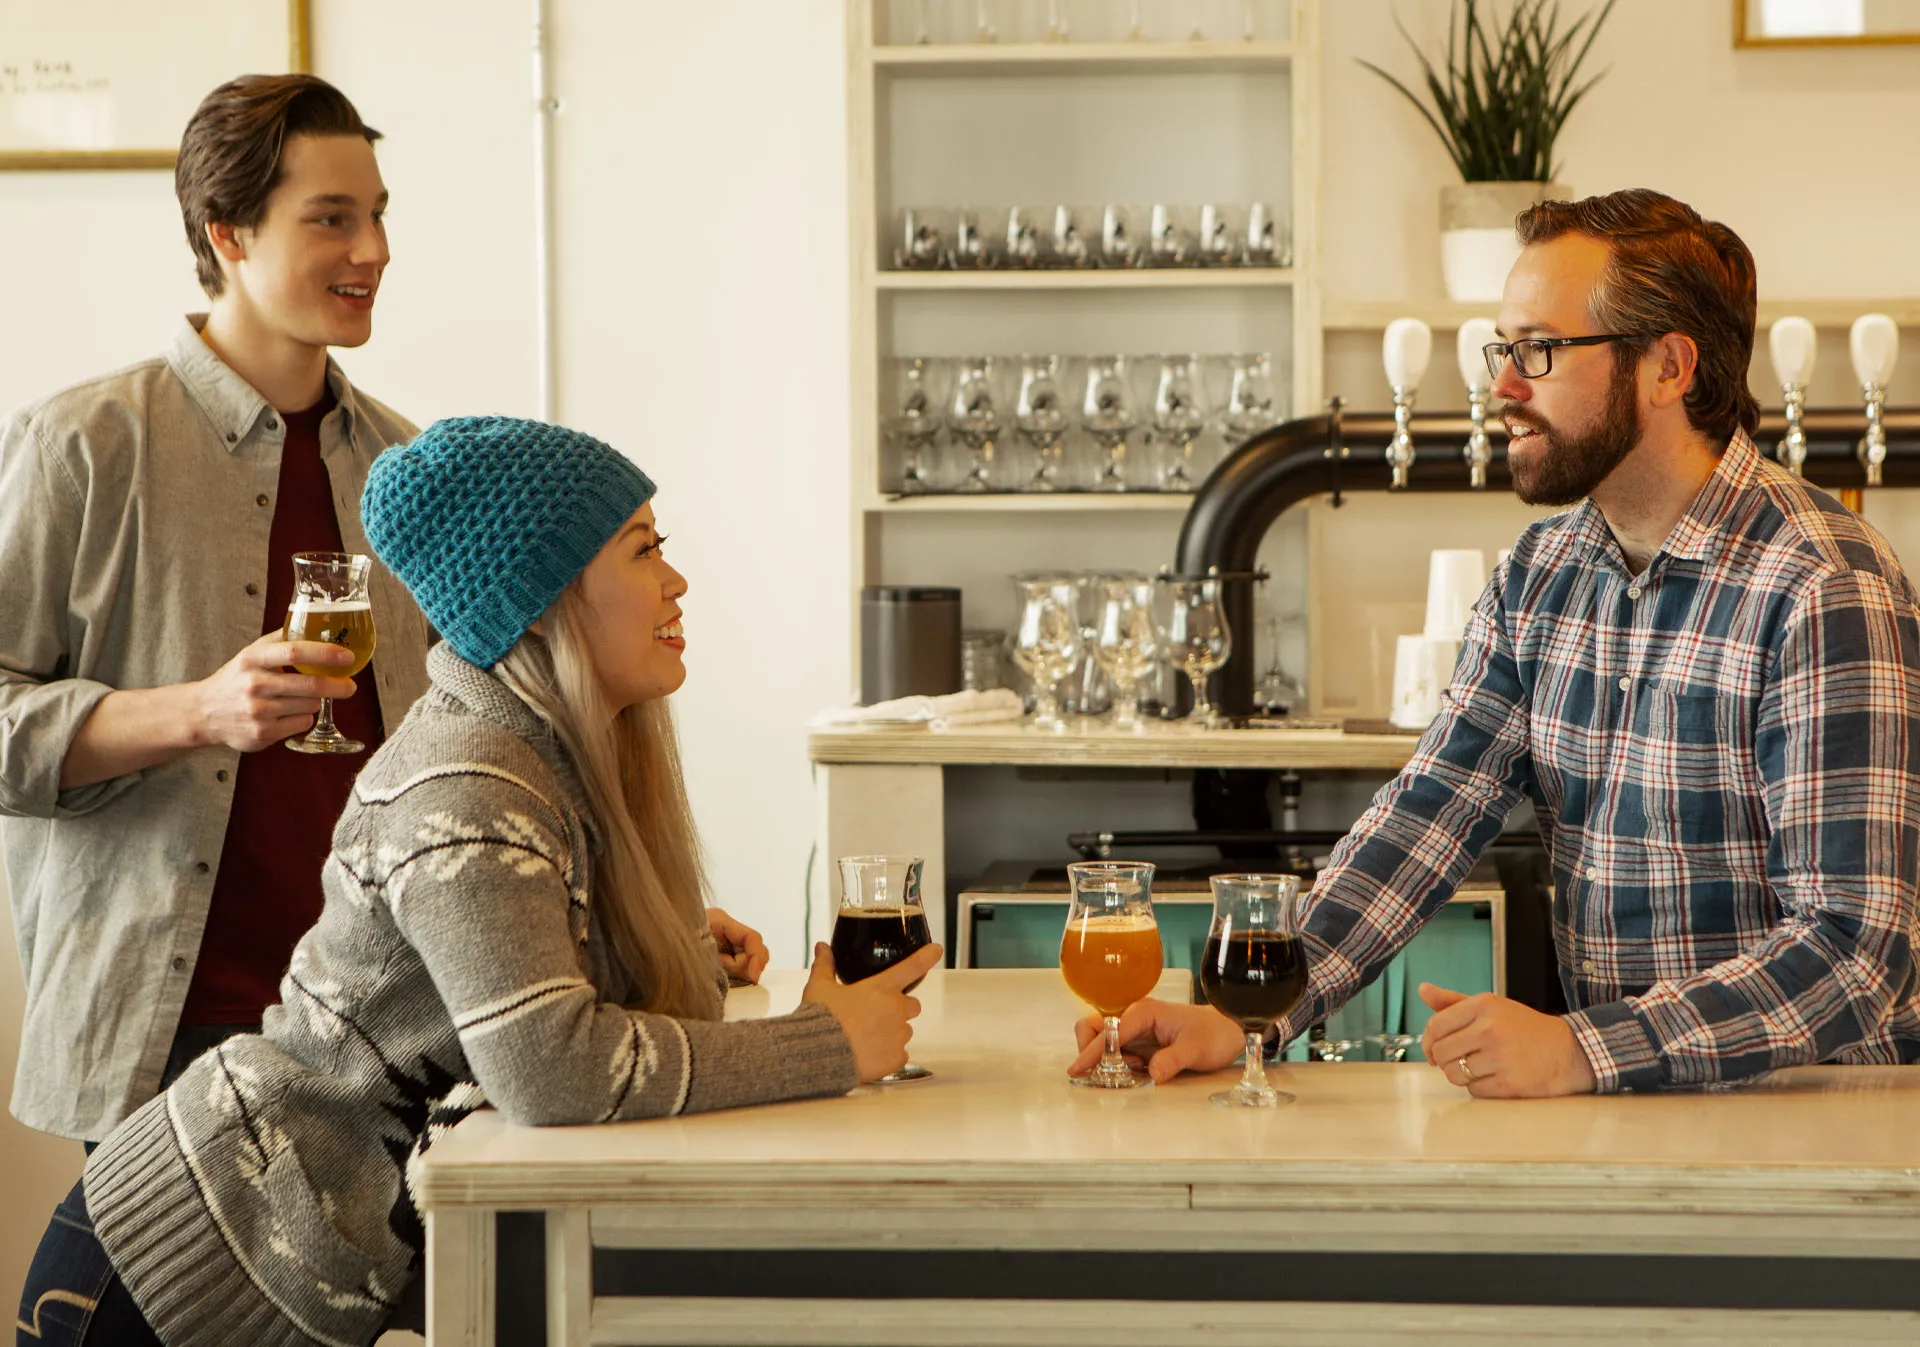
(331, 606)
(1117, 922)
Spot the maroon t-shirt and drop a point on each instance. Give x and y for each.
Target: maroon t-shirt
(267, 891)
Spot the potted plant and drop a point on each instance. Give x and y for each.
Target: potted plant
(1498, 105)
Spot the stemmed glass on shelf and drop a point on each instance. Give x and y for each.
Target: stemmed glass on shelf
(1128, 645)
(915, 419)
(1107, 412)
(1198, 641)
(1048, 642)
(1179, 415)
(1249, 407)
(974, 419)
(1040, 415)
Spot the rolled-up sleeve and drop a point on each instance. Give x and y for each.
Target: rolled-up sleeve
(41, 707)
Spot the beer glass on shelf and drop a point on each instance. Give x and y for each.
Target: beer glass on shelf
(974, 418)
(881, 921)
(1110, 954)
(1179, 414)
(330, 604)
(913, 415)
(1199, 642)
(1040, 414)
(1127, 645)
(1255, 969)
(1107, 413)
(1047, 645)
(1250, 407)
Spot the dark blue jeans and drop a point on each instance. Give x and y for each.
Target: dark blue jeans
(73, 1296)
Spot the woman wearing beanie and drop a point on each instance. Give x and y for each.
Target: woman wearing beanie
(514, 916)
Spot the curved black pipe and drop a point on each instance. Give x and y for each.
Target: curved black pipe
(1315, 455)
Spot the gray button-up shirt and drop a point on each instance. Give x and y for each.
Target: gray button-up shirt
(134, 518)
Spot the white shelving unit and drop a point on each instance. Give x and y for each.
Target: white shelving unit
(981, 124)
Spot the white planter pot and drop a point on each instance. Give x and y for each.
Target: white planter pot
(1477, 243)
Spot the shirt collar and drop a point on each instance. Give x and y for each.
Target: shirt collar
(233, 405)
(1694, 537)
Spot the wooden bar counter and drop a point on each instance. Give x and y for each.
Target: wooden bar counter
(996, 1203)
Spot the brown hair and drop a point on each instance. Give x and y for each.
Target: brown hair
(229, 160)
(1670, 271)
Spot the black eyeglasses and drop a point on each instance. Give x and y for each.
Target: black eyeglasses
(1533, 356)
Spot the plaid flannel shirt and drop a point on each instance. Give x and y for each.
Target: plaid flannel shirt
(1721, 752)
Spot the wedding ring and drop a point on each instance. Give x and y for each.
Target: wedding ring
(1465, 1070)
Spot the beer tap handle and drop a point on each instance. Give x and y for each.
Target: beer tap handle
(1405, 350)
(1794, 347)
(1476, 334)
(1874, 343)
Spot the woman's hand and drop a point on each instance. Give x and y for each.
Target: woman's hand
(743, 954)
(875, 1011)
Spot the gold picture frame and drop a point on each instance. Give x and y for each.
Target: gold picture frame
(265, 36)
(1744, 35)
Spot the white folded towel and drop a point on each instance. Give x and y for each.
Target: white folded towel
(952, 711)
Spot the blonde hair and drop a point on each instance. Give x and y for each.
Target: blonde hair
(648, 886)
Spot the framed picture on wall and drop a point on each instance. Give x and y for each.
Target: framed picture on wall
(1825, 23)
(111, 83)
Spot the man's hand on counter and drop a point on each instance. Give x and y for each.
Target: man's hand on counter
(1500, 1049)
(1164, 1038)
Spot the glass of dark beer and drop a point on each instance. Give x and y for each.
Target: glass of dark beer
(1255, 969)
(881, 922)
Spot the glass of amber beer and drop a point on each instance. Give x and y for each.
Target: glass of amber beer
(330, 604)
(1111, 954)
(882, 920)
(1255, 969)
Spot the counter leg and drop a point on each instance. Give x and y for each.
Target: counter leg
(460, 1276)
(569, 1277)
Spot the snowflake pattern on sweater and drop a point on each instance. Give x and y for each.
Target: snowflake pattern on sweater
(455, 965)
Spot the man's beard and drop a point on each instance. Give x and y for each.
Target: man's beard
(1565, 470)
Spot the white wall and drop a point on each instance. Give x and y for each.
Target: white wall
(1812, 155)
(703, 329)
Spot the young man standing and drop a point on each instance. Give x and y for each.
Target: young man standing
(1706, 677)
(163, 850)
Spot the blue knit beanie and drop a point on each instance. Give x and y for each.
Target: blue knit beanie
(486, 519)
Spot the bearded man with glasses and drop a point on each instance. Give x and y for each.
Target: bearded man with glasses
(1705, 677)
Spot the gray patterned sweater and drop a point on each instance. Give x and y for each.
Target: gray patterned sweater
(263, 1198)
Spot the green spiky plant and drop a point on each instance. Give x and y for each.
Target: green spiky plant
(1506, 90)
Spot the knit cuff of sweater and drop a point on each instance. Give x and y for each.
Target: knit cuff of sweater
(795, 1056)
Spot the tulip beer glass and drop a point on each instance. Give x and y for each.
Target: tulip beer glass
(1110, 954)
(1255, 968)
(330, 604)
(881, 922)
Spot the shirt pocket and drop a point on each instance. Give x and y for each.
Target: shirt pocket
(1694, 761)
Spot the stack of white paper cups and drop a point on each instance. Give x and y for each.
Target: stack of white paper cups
(1423, 664)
